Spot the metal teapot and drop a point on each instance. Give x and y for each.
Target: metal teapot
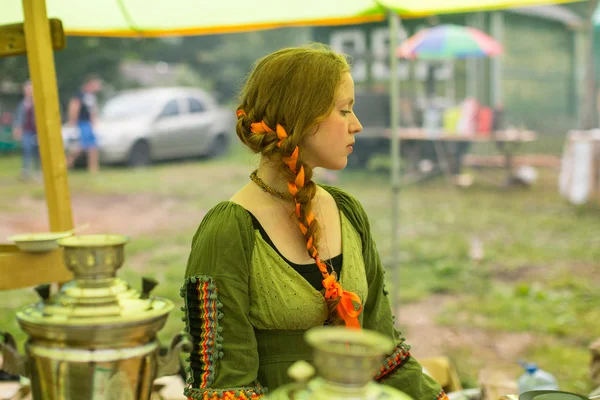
(96, 338)
(346, 361)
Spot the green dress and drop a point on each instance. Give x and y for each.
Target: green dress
(247, 309)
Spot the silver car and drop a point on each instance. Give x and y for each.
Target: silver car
(138, 127)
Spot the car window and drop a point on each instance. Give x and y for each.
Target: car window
(195, 105)
(171, 109)
(128, 106)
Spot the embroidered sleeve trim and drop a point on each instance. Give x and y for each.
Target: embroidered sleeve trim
(202, 315)
(242, 393)
(442, 396)
(394, 361)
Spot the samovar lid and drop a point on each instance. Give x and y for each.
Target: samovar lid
(93, 241)
(95, 296)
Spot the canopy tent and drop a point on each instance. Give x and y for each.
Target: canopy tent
(193, 17)
(137, 18)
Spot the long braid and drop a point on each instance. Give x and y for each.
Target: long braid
(303, 190)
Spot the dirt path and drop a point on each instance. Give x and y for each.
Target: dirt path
(491, 351)
(124, 214)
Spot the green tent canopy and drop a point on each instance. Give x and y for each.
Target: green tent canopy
(194, 17)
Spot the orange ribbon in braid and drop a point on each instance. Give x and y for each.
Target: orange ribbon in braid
(333, 289)
(256, 127)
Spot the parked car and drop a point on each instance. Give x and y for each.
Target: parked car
(137, 127)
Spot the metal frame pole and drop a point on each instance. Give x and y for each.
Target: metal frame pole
(394, 27)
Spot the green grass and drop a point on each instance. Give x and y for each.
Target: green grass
(538, 275)
(564, 306)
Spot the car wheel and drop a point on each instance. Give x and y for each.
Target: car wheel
(219, 146)
(139, 155)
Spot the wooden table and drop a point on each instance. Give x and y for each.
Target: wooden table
(509, 135)
(506, 141)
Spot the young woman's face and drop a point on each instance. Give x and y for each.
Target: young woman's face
(329, 146)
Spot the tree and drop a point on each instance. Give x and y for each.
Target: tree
(13, 69)
(229, 63)
(82, 56)
(102, 56)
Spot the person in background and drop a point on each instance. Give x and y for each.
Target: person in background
(24, 130)
(83, 113)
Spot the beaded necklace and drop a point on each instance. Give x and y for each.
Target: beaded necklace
(268, 189)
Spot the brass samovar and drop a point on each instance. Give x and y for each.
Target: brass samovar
(96, 337)
(346, 362)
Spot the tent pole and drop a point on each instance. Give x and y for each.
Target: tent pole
(47, 114)
(394, 27)
(497, 28)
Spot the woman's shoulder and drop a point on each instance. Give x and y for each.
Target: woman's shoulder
(350, 206)
(225, 235)
(224, 223)
(225, 218)
(346, 202)
(226, 208)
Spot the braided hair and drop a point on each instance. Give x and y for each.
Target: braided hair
(285, 97)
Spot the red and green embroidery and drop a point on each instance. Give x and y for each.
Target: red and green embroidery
(207, 296)
(202, 315)
(245, 393)
(395, 360)
(442, 396)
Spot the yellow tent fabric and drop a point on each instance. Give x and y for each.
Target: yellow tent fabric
(193, 17)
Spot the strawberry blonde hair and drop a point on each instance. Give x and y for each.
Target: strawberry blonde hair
(285, 97)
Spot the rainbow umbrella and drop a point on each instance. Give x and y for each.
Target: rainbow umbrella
(449, 41)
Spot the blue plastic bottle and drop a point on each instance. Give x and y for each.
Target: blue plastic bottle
(535, 378)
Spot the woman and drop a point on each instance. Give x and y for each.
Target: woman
(270, 263)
